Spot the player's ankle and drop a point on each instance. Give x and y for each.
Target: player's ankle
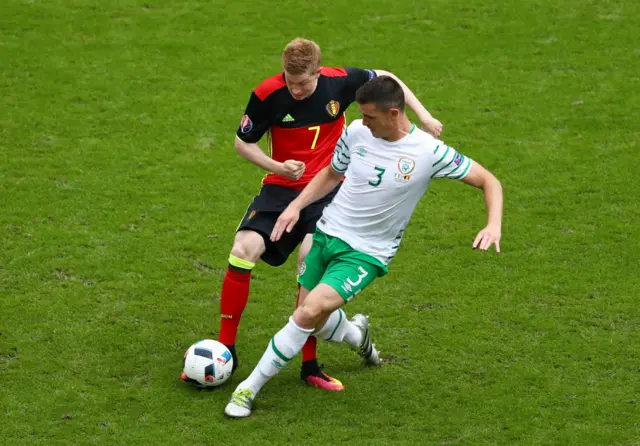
(232, 350)
(310, 367)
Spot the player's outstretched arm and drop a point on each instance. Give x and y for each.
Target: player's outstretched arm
(291, 169)
(481, 178)
(429, 123)
(323, 183)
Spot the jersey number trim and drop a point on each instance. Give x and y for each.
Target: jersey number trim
(380, 173)
(315, 128)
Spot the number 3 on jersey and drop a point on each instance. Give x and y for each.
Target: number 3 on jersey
(315, 128)
(380, 171)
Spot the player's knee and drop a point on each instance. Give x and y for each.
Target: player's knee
(242, 252)
(309, 314)
(246, 249)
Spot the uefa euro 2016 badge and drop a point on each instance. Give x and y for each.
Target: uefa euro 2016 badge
(245, 124)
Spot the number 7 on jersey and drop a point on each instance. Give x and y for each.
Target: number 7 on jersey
(315, 128)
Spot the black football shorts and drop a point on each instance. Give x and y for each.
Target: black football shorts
(262, 214)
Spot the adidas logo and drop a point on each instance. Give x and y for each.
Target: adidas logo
(288, 118)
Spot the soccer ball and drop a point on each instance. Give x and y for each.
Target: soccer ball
(207, 363)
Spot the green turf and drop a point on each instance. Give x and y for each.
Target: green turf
(120, 191)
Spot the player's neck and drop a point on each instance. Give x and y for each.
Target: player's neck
(401, 131)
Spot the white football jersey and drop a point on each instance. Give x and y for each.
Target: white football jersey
(383, 183)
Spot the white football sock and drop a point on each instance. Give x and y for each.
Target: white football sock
(338, 329)
(286, 344)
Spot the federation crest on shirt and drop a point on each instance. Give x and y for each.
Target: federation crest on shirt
(333, 108)
(406, 165)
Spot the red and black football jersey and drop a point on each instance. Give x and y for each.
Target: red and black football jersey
(306, 130)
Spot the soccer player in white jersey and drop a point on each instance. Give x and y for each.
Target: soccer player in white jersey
(387, 164)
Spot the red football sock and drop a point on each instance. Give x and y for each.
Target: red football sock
(309, 349)
(233, 300)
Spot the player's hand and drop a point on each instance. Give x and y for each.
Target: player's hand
(433, 126)
(285, 222)
(292, 169)
(487, 237)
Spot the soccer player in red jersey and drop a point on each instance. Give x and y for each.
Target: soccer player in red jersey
(302, 112)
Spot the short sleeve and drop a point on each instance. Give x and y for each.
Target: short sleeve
(356, 78)
(341, 156)
(255, 121)
(449, 163)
